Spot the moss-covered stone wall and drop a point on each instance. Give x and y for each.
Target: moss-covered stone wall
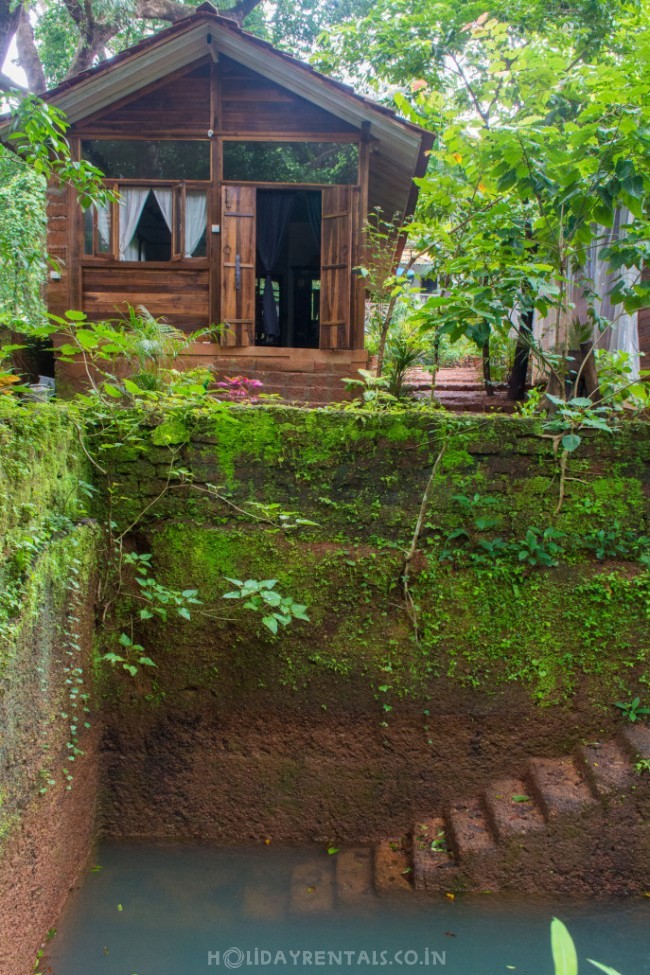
(525, 641)
(47, 747)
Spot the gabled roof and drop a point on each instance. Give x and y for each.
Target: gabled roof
(401, 147)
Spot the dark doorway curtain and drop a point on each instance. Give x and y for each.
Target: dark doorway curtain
(313, 203)
(273, 215)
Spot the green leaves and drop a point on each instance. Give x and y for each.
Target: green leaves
(260, 596)
(565, 957)
(571, 442)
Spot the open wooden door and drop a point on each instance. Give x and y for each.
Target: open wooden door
(238, 264)
(336, 267)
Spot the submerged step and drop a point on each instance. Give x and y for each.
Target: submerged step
(263, 902)
(511, 810)
(469, 831)
(312, 887)
(353, 876)
(559, 787)
(393, 869)
(607, 768)
(434, 867)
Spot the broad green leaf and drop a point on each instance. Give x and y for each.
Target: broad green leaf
(271, 623)
(571, 441)
(563, 949)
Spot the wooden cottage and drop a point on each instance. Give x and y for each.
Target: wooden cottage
(245, 181)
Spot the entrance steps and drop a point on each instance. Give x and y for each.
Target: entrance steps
(522, 833)
(549, 829)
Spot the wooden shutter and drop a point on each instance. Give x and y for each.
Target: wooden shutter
(238, 264)
(336, 267)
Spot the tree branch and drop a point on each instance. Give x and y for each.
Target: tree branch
(9, 17)
(241, 10)
(28, 57)
(167, 10)
(8, 84)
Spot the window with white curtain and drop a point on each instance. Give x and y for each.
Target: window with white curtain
(154, 223)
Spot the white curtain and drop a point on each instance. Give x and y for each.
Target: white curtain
(132, 202)
(196, 211)
(104, 227)
(164, 198)
(623, 333)
(597, 276)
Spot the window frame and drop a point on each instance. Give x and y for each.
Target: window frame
(179, 190)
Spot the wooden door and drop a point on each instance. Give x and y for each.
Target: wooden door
(238, 264)
(336, 267)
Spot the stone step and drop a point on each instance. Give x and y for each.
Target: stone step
(263, 902)
(393, 869)
(559, 787)
(511, 810)
(312, 887)
(636, 740)
(434, 867)
(469, 832)
(354, 876)
(606, 767)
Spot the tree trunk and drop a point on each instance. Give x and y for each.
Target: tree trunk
(487, 375)
(28, 57)
(517, 382)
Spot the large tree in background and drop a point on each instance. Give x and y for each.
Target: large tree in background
(56, 39)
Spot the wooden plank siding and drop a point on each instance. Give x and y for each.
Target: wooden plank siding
(59, 204)
(238, 257)
(232, 101)
(180, 105)
(180, 296)
(251, 103)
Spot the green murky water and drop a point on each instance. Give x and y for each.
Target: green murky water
(197, 910)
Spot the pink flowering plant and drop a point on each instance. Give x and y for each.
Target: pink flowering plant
(238, 389)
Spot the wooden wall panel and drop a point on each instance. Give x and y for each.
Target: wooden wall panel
(180, 296)
(238, 258)
(336, 267)
(179, 105)
(59, 202)
(252, 103)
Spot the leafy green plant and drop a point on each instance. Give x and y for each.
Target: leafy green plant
(617, 381)
(642, 766)
(262, 597)
(539, 547)
(574, 415)
(633, 710)
(615, 543)
(404, 349)
(565, 956)
(133, 656)
(374, 390)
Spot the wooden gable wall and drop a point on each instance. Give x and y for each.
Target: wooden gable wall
(178, 105)
(251, 103)
(246, 101)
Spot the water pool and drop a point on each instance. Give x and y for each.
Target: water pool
(195, 910)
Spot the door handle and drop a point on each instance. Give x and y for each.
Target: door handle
(237, 272)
